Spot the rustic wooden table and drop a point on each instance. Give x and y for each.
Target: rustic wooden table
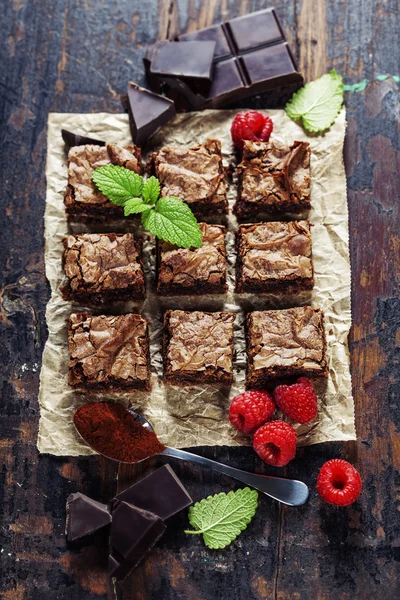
(78, 56)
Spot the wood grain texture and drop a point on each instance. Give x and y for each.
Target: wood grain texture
(78, 56)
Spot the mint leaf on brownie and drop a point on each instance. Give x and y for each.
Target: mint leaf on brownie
(173, 221)
(117, 183)
(151, 190)
(134, 206)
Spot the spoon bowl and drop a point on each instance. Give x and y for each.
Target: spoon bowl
(287, 491)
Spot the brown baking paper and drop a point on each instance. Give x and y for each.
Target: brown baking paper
(198, 415)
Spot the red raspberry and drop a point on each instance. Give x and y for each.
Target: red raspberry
(251, 409)
(297, 401)
(251, 125)
(339, 483)
(275, 443)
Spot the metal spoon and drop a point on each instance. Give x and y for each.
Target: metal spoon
(287, 491)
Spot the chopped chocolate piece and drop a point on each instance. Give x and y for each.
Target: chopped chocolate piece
(251, 57)
(103, 267)
(133, 534)
(192, 60)
(84, 516)
(147, 112)
(198, 347)
(283, 344)
(108, 353)
(274, 257)
(75, 139)
(161, 493)
(83, 201)
(183, 271)
(195, 175)
(274, 179)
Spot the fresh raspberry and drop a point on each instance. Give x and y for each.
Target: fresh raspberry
(275, 443)
(250, 410)
(251, 125)
(298, 401)
(339, 483)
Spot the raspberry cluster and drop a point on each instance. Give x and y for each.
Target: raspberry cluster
(275, 441)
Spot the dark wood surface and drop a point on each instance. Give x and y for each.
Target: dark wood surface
(77, 55)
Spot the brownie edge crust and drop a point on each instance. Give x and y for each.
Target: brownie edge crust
(282, 344)
(108, 353)
(198, 347)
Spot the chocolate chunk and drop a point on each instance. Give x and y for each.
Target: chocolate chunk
(84, 516)
(192, 60)
(75, 139)
(161, 492)
(133, 533)
(251, 57)
(147, 112)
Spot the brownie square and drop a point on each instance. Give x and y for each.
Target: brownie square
(195, 175)
(274, 179)
(274, 257)
(285, 343)
(198, 347)
(108, 353)
(83, 201)
(103, 267)
(197, 271)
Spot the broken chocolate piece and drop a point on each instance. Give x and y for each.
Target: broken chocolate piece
(251, 57)
(192, 60)
(84, 516)
(133, 533)
(75, 139)
(161, 492)
(147, 112)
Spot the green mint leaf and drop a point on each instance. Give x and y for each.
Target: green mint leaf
(221, 518)
(117, 183)
(173, 221)
(318, 103)
(151, 190)
(134, 206)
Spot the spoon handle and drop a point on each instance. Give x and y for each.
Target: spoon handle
(287, 491)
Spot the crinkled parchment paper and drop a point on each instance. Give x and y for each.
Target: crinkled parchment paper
(198, 416)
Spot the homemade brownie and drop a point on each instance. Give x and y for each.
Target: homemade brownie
(202, 270)
(195, 175)
(274, 257)
(108, 353)
(83, 201)
(102, 267)
(285, 343)
(198, 347)
(274, 179)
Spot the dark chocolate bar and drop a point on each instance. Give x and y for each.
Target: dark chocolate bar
(133, 533)
(147, 112)
(192, 60)
(84, 516)
(161, 492)
(75, 139)
(251, 57)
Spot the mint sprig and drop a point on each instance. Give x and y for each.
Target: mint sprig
(167, 218)
(318, 103)
(221, 518)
